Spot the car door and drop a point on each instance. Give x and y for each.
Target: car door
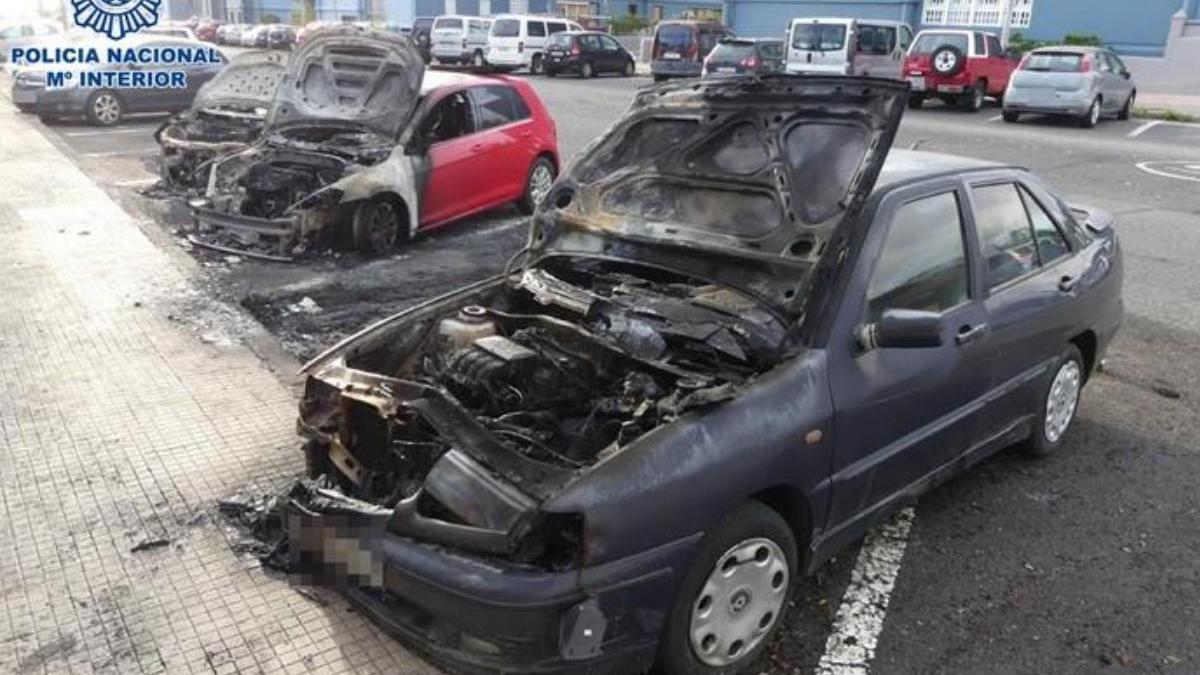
(614, 55)
(901, 413)
(1116, 87)
(452, 182)
(1030, 271)
(1124, 79)
(501, 143)
(998, 67)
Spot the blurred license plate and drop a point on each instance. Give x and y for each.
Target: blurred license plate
(671, 55)
(726, 70)
(917, 83)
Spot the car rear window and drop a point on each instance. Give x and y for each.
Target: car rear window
(506, 28)
(818, 37)
(448, 23)
(1053, 62)
(675, 37)
(927, 43)
(732, 51)
(559, 40)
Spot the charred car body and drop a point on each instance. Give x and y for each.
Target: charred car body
(730, 346)
(226, 116)
(361, 148)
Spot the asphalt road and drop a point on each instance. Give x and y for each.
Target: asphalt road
(1080, 563)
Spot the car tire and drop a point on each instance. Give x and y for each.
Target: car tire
(586, 71)
(915, 101)
(948, 61)
(1059, 404)
(104, 108)
(757, 545)
(630, 69)
(1011, 116)
(972, 101)
(537, 184)
(378, 225)
(660, 78)
(1092, 117)
(551, 73)
(536, 67)
(477, 59)
(1127, 109)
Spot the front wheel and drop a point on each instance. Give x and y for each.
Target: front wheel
(377, 226)
(104, 108)
(538, 182)
(629, 69)
(1059, 404)
(586, 71)
(536, 67)
(731, 599)
(1127, 109)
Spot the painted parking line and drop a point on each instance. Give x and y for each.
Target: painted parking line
(1188, 170)
(108, 132)
(118, 153)
(997, 118)
(859, 619)
(1144, 128)
(140, 182)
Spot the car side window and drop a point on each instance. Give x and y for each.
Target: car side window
(1004, 233)
(537, 29)
(923, 264)
(609, 44)
(979, 47)
(993, 46)
(906, 37)
(1118, 64)
(555, 27)
(590, 43)
(450, 118)
(1102, 62)
(498, 105)
(1051, 244)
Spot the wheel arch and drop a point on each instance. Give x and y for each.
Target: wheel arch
(793, 506)
(1087, 344)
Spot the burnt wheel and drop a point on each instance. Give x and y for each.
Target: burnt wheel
(537, 185)
(731, 599)
(377, 226)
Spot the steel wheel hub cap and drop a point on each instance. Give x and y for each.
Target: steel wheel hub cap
(539, 183)
(739, 603)
(1062, 400)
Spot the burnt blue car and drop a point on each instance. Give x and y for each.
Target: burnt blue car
(736, 339)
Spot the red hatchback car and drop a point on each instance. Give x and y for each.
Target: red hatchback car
(371, 161)
(961, 67)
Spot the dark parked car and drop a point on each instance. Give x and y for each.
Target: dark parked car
(280, 36)
(743, 56)
(680, 47)
(108, 106)
(586, 53)
(735, 340)
(421, 30)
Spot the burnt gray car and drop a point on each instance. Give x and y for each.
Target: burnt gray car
(736, 339)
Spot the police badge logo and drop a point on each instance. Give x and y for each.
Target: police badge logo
(116, 18)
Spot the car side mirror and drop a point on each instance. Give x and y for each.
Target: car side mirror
(901, 329)
(1126, 74)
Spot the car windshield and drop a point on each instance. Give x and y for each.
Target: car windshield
(733, 51)
(1053, 62)
(506, 28)
(559, 40)
(675, 36)
(447, 23)
(818, 37)
(927, 43)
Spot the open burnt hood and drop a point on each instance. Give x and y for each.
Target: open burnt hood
(353, 76)
(742, 181)
(248, 82)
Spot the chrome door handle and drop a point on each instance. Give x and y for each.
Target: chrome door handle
(1067, 283)
(967, 333)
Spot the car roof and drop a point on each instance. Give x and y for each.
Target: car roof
(437, 79)
(1070, 49)
(847, 19)
(906, 166)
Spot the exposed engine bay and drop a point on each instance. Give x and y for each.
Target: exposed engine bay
(479, 413)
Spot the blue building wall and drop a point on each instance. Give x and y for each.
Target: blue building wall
(770, 18)
(255, 11)
(471, 7)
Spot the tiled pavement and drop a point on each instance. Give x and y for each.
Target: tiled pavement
(119, 425)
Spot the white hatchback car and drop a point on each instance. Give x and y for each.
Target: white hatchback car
(518, 41)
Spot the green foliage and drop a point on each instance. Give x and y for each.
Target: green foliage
(629, 24)
(1022, 44)
(1082, 40)
(1165, 114)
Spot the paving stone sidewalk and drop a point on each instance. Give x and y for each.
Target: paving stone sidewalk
(126, 410)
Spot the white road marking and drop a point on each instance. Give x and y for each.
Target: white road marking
(140, 182)
(116, 153)
(1186, 166)
(997, 118)
(859, 619)
(1144, 128)
(108, 132)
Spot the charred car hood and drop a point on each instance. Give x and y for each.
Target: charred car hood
(742, 181)
(349, 75)
(249, 82)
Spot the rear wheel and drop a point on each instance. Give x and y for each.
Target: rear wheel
(1092, 117)
(536, 67)
(1059, 404)
(550, 72)
(377, 226)
(1011, 116)
(104, 108)
(629, 69)
(1127, 109)
(731, 599)
(538, 182)
(660, 78)
(477, 59)
(972, 100)
(586, 70)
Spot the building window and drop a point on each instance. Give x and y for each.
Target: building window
(987, 13)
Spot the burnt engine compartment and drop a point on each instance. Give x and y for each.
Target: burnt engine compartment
(565, 368)
(192, 139)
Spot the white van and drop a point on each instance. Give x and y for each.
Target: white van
(518, 41)
(837, 46)
(460, 39)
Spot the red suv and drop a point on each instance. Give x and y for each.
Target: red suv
(958, 66)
